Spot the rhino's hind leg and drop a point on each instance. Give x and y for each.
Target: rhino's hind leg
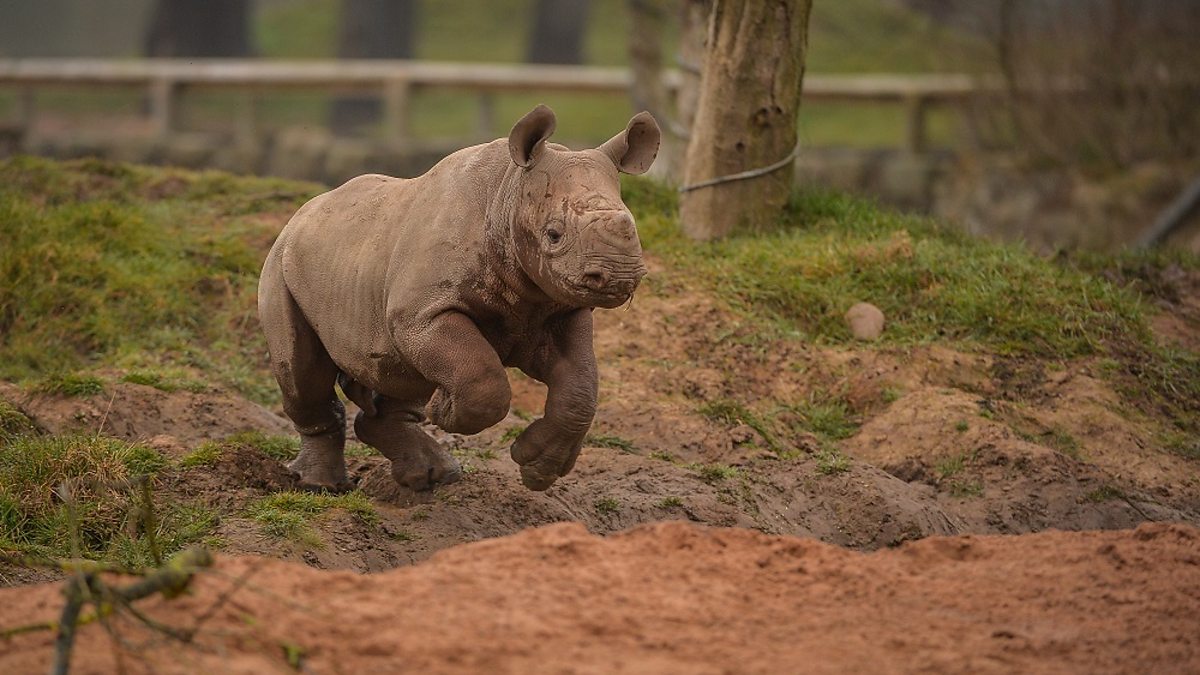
(306, 374)
(418, 462)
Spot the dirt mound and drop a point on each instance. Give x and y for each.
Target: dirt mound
(138, 412)
(612, 489)
(675, 597)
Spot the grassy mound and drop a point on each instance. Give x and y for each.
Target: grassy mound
(75, 496)
(143, 269)
(153, 272)
(934, 283)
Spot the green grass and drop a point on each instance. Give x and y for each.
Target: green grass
(830, 418)
(610, 441)
(290, 514)
(731, 413)
(669, 503)
(1184, 444)
(13, 422)
(950, 466)
(1104, 493)
(70, 384)
(34, 520)
(607, 506)
(715, 473)
(831, 461)
(1062, 441)
(510, 434)
(152, 271)
(934, 283)
(164, 381)
(282, 448)
(964, 489)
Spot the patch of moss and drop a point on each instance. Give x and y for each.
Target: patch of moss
(290, 514)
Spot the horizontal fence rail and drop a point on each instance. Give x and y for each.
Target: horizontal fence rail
(394, 82)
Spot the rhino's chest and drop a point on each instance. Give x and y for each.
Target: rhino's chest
(513, 338)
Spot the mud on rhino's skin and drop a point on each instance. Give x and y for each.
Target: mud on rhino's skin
(408, 292)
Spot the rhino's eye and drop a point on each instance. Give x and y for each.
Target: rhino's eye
(553, 235)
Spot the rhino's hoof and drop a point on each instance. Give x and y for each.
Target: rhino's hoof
(535, 480)
(421, 480)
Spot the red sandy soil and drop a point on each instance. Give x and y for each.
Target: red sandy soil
(676, 597)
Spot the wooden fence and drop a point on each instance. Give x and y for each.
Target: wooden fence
(395, 81)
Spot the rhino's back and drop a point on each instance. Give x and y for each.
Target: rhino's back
(346, 250)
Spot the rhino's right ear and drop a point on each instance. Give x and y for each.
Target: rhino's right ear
(528, 136)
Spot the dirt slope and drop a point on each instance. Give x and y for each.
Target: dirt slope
(673, 597)
(941, 442)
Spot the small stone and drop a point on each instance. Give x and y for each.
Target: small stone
(865, 321)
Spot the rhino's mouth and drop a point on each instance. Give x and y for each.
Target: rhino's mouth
(613, 293)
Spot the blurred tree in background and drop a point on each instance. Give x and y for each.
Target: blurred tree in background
(558, 29)
(1103, 83)
(371, 29)
(200, 28)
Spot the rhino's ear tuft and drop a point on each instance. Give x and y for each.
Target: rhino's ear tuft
(634, 150)
(528, 136)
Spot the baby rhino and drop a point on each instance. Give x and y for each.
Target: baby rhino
(416, 293)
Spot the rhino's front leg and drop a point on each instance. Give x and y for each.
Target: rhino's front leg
(472, 388)
(566, 363)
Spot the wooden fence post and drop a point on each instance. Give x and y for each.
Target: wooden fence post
(395, 110)
(162, 106)
(245, 123)
(916, 137)
(485, 123)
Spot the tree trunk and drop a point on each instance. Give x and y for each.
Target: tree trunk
(745, 116)
(647, 19)
(558, 28)
(199, 28)
(693, 36)
(371, 29)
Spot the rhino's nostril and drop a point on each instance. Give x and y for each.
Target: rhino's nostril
(595, 278)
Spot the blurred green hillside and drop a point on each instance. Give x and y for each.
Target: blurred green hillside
(846, 36)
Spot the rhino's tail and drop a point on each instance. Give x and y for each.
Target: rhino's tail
(361, 395)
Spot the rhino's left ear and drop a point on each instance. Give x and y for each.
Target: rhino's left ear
(634, 150)
(528, 136)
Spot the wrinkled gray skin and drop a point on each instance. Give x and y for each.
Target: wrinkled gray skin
(409, 292)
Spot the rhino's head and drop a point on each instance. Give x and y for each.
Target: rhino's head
(573, 235)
